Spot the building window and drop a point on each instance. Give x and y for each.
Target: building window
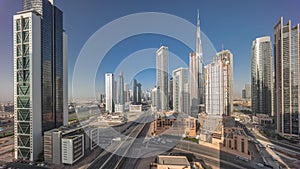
(235, 144)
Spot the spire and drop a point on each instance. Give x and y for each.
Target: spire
(198, 18)
(198, 38)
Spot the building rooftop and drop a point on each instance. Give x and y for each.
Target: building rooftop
(172, 160)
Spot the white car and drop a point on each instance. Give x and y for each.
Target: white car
(260, 164)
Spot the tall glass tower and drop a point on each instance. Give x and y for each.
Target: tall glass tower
(120, 94)
(261, 76)
(286, 54)
(52, 61)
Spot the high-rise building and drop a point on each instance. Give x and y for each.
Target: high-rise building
(134, 90)
(139, 93)
(286, 54)
(218, 85)
(120, 94)
(248, 91)
(162, 67)
(27, 85)
(171, 94)
(261, 76)
(127, 93)
(244, 94)
(109, 92)
(65, 81)
(40, 55)
(52, 61)
(180, 79)
(196, 74)
(154, 97)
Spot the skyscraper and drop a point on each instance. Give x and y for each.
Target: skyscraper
(39, 58)
(261, 76)
(218, 84)
(109, 92)
(180, 79)
(139, 93)
(286, 54)
(154, 97)
(134, 91)
(27, 85)
(120, 94)
(196, 74)
(52, 61)
(171, 94)
(162, 67)
(127, 93)
(65, 79)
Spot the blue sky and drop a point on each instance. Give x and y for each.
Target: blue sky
(233, 23)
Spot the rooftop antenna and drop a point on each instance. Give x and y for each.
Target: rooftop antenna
(222, 46)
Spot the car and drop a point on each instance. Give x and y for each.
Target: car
(260, 164)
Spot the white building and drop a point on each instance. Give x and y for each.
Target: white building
(162, 79)
(155, 97)
(180, 90)
(72, 149)
(109, 92)
(218, 84)
(27, 85)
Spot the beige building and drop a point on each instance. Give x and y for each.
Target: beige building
(174, 162)
(232, 140)
(174, 124)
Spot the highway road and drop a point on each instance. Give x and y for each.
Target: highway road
(114, 155)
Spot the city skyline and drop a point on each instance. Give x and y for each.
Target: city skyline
(95, 113)
(237, 44)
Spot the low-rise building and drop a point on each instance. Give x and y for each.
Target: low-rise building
(53, 152)
(72, 148)
(174, 124)
(135, 108)
(231, 138)
(263, 119)
(174, 162)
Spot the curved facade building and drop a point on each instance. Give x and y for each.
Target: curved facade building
(261, 76)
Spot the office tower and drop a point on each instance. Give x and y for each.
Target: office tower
(115, 91)
(186, 99)
(155, 97)
(52, 61)
(171, 94)
(162, 77)
(261, 77)
(134, 91)
(218, 77)
(139, 92)
(27, 85)
(286, 54)
(120, 94)
(196, 74)
(109, 92)
(248, 91)
(65, 79)
(102, 98)
(39, 58)
(180, 79)
(244, 94)
(127, 93)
